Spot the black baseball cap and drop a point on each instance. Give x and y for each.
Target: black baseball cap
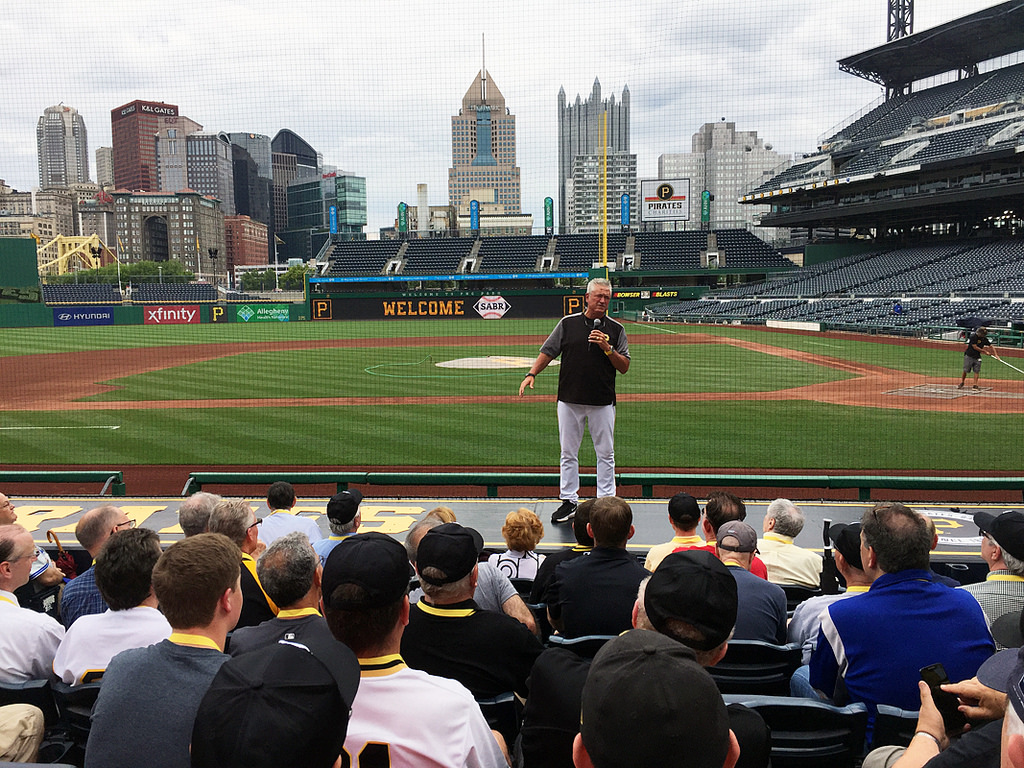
(684, 509)
(342, 507)
(648, 702)
(452, 549)
(284, 704)
(693, 586)
(846, 538)
(373, 561)
(1006, 528)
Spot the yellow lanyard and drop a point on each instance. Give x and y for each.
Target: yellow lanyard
(1003, 577)
(8, 600)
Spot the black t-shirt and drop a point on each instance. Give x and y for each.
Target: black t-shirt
(976, 340)
(586, 375)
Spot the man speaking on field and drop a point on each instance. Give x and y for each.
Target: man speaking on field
(593, 348)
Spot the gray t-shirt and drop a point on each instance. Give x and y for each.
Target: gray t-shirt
(147, 706)
(492, 589)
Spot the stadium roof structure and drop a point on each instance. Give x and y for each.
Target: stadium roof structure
(957, 45)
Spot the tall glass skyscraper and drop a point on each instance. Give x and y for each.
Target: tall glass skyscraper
(579, 133)
(63, 146)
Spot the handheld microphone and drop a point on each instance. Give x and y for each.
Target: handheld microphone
(597, 324)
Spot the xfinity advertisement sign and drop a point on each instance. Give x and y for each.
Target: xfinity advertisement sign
(63, 316)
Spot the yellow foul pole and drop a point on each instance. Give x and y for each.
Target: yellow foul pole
(604, 189)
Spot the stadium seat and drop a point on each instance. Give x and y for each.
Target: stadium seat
(35, 692)
(807, 733)
(504, 714)
(755, 668)
(75, 705)
(585, 645)
(796, 594)
(893, 726)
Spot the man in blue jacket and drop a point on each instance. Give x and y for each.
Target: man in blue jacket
(871, 647)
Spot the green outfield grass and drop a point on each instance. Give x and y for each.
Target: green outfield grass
(748, 434)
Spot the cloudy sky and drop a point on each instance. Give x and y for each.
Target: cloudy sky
(373, 85)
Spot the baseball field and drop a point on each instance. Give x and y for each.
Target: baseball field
(443, 393)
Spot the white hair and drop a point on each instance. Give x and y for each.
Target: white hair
(789, 520)
(603, 282)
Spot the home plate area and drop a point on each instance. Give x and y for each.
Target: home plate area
(950, 392)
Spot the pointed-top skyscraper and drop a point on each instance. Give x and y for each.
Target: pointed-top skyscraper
(484, 150)
(63, 146)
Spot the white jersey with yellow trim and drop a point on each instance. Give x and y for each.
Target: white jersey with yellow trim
(92, 641)
(442, 726)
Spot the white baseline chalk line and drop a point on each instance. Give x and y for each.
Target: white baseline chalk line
(111, 426)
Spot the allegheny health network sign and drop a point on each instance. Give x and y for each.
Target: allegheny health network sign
(262, 313)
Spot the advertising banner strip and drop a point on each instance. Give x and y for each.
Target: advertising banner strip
(171, 314)
(63, 316)
(436, 278)
(262, 313)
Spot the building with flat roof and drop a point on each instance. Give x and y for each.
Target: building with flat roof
(171, 154)
(105, 166)
(133, 128)
(63, 147)
(579, 133)
(728, 163)
(583, 190)
(210, 170)
(183, 226)
(484, 149)
(245, 243)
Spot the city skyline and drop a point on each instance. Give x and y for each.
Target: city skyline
(377, 98)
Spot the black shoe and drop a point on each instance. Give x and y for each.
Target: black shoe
(564, 513)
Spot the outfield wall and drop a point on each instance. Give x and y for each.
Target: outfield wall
(41, 315)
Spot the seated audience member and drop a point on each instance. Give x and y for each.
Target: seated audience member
(234, 518)
(584, 543)
(443, 514)
(647, 702)
(241, 724)
(290, 571)
(937, 577)
(124, 576)
(447, 635)
(80, 596)
(365, 583)
(28, 639)
(806, 621)
(692, 599)
(871, 647)
(43, 573)
(722, 507)
(343, 518)
(684, 517)
(522, 532)
(281, 520)
(762, 605)
(494, 591)
(21, 733)
(594, 594)
(147, 704)
(194, 512)
(1002, 549)
(786, 562)
(983, 701)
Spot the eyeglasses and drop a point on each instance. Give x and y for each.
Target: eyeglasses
(258, 521)
(125, 524)
(20, 557)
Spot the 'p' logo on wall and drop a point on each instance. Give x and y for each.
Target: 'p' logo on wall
(572, 304)
(322, 309)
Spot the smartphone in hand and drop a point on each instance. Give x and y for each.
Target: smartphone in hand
(947, 703)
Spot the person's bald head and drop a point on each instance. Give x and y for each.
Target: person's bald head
(96, 526)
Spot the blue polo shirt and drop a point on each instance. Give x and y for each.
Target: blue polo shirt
(876, 643)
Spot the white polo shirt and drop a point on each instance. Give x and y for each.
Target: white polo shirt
(28, 642)
(278, 523)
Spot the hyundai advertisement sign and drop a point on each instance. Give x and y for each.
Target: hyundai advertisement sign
(63, 316)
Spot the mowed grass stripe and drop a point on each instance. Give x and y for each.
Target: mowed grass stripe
(748, 434)
(413, 372)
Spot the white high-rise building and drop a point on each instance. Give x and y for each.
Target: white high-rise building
(63, 146)
(728, 163)
(583, 191)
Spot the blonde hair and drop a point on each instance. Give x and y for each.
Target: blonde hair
(522, 530)
(444, 514)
